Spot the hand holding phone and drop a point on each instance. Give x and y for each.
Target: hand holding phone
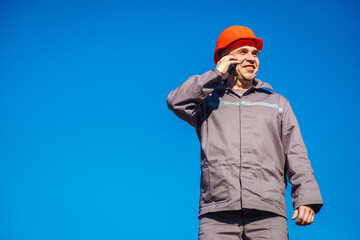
(227, 64)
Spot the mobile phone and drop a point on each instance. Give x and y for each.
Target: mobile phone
(231, 69)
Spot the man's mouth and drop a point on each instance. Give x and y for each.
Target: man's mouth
(250, 68)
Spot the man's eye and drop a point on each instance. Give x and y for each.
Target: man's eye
(256, 54)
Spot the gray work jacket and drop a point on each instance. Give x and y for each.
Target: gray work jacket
(249, 144)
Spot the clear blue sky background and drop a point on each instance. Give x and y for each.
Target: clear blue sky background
(89, 149)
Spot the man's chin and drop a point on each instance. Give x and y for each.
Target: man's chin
(248, 79)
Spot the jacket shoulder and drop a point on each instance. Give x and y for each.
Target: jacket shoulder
(266, 88)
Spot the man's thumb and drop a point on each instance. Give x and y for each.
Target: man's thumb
(296, 212)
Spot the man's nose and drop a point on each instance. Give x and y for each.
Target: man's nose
(250, 58)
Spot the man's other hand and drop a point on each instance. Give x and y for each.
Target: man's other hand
(306, 215)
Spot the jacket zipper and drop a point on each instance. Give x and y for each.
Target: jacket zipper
(241, 197)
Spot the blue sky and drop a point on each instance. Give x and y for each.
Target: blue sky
(89, 149)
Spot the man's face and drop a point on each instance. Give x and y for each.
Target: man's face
(248, 56)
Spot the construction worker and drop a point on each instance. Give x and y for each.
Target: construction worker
(250, 144)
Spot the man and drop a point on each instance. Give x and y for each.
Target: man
(250, 141)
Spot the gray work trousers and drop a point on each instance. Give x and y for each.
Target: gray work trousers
(244, 225)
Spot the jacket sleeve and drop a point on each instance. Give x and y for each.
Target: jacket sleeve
(305, 189)
(185, 100)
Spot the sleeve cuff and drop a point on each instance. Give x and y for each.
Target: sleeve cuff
(223, 76)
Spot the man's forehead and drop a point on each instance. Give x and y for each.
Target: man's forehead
(245, 47)
(242, 44)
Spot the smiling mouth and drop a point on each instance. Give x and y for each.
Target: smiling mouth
(249, 68)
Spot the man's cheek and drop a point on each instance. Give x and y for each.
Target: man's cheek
(258, 67)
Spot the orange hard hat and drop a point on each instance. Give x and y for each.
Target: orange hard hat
(233, 34)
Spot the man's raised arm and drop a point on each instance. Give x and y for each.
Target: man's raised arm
(185, 100)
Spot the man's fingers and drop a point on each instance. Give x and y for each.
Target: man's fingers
(309, 221)
(225, 62)
(306, 216)
(233, 62)
(227, 57)
(295, 214)
(301, 216)
(312, 218)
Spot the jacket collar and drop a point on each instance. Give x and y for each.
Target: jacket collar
(257, 85)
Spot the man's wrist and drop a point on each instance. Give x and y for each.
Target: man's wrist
(223, 75)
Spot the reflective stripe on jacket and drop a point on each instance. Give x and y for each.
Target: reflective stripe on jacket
(249, 144)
